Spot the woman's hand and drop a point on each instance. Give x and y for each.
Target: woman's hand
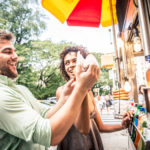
(68, 88)
(126, 119)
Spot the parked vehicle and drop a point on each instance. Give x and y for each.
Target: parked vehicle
(52, 100)
(45, 103)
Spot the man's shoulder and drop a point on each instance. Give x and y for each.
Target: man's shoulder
(11, 90)
(21, 87)
(4, 88)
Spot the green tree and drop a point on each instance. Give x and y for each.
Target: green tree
(39, 67)
(22, 19)
(104, 83)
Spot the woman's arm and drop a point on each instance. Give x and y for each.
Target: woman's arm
(106, 128)
(111, 128)
(101, 126)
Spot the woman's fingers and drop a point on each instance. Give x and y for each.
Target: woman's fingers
(127, 116)
(69, 84)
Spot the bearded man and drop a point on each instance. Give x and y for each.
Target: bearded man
(25, 124)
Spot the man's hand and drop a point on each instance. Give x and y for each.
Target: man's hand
(88, 78)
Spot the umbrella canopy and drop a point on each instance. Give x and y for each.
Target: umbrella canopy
(87, 13)
(61, 9)
(106, 14)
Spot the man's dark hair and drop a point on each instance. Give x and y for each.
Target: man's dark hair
(67, 50)
(6, 36)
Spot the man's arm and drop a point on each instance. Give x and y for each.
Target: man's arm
(62, 97)
(55, 108)
(82, 122)
(62, 120)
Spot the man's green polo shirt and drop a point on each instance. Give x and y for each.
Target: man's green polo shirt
(22, 122)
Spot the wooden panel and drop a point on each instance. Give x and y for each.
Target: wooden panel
(131, 15)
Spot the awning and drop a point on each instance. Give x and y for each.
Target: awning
(88, 13)
(106, 14)
(61, 9)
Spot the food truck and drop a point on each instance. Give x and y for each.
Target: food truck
(134, 30)
(133, 18)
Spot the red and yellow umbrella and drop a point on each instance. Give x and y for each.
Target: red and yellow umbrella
(89, 13)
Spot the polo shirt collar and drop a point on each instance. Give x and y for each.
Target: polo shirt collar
(7, 81)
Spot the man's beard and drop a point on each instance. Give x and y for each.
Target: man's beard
(7, 72)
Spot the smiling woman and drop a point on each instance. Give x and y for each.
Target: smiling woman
(68, 61)
(84, 133)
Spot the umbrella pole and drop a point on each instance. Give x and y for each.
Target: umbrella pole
(115, 48)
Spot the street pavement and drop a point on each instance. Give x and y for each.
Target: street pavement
(116, 140)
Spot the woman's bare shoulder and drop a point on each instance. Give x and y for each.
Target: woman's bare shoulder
(91, 95)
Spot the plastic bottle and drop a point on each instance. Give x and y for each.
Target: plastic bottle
(140, 119)
(133, 136)
(141, 145)
(147, 132)
(136, 115)
(135, 121)
(131, 108)
(137, 139)
(144, 127)
(138, 123)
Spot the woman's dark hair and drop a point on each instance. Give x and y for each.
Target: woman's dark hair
(140, 87)
(67, 50)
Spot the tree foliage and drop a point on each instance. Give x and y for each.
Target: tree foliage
(38, 66)
(21, 19)
(104, 83)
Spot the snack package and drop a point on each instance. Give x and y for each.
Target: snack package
(90, 59)
(80, 59)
